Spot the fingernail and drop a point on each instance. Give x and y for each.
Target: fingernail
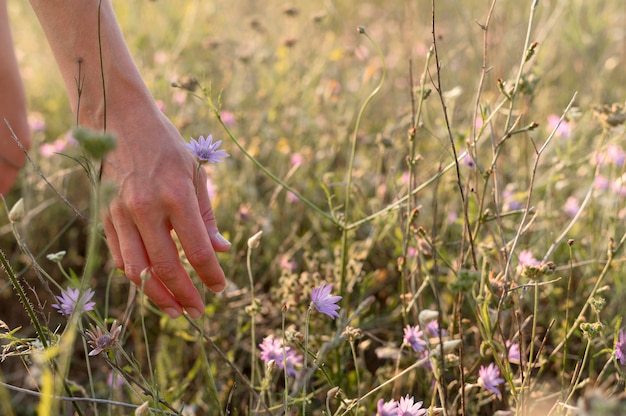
(194, 313)
(172, 312)
(222, 239)
(218, 287)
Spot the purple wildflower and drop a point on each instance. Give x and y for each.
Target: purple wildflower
(389, 408)
(272, 349)
(71, 299)
(205, 150)
(514, 354)
(489, 378)
(432, 329)
(415, 338)
(324, 302)
(407, 407)
(620, 347)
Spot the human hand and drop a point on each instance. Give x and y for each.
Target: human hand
(155, 176)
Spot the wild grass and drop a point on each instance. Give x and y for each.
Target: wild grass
(451, 162)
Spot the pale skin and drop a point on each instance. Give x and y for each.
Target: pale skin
(154, 172)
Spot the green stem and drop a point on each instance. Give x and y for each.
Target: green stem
(346, 206)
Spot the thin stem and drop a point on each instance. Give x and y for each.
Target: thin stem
(306, 355)
(351, 157)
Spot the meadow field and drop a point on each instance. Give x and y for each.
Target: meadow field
(455, 170)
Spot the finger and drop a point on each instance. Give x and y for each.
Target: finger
(218, 241)
(193, 234)
(113, 242)
(135, 260)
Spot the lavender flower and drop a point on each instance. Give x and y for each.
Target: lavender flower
(415, 338)
(101, 339)
(489, 378)
(324, 302)
(284, 357)
(514, 353)
(432, 329)
(389, 408)
(620, 348)
(407, 407)
(71, 300)
(205, 150)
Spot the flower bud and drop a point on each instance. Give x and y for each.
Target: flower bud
(17, 212)
(255, 240)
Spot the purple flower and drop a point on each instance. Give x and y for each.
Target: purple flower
(71, 299)
(205, 150)
(407, 407)
(284, 357)
(432, 329)
(415, 338)
(489, 378)
(620, 347)
(389, 408)
(324, 302)
(513, 354)
(102, 340)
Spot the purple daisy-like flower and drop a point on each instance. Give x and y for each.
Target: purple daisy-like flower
(620, 347)
(102, 340)
(272, 349)
(324, 302)
(414, 337)
(389, 408)
(205, 150)
(71, 300)
(408, 407)
(489, 378)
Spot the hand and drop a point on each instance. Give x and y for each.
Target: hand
(155, 176)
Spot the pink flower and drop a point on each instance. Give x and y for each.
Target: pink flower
(563, 129)
(272, 349)
(571, 206)
(407, 407)
(525, 258)
(228, 118)
(389, 408)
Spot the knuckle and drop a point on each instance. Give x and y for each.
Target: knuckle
(165, 269)
(133, 272)
(199, 255)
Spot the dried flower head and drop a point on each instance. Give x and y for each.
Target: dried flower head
(71, 299)
(102, 340)
(205, 150)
